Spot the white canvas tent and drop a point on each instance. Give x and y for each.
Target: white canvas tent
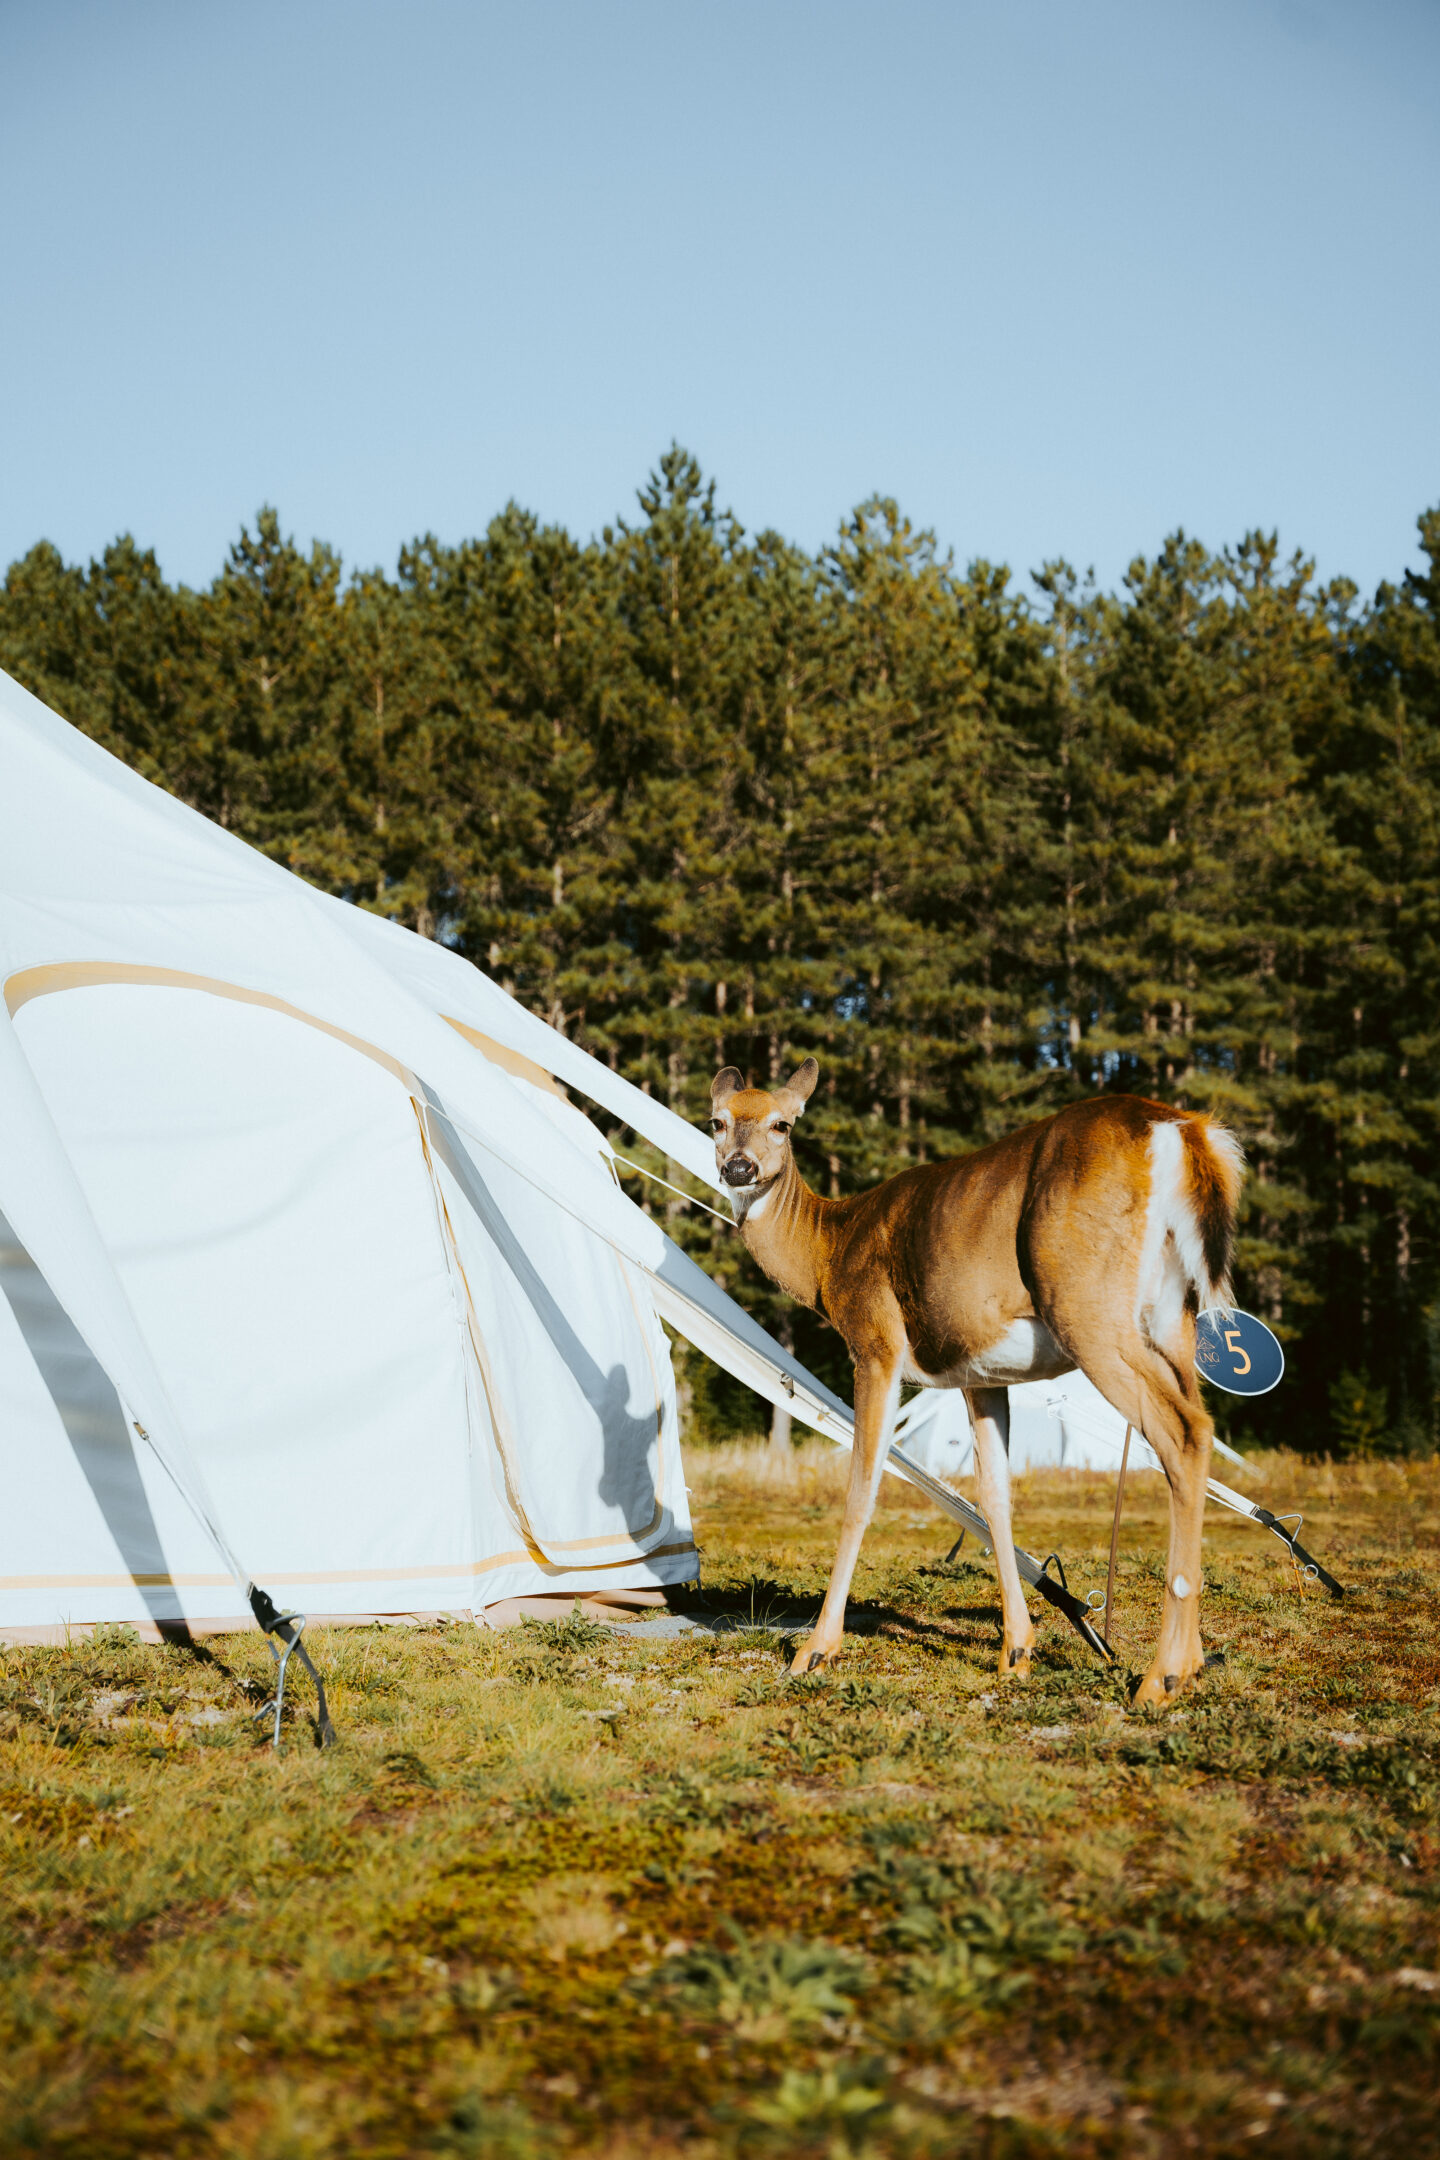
(312, 1278)
(1063, 1424)
(936, 1428)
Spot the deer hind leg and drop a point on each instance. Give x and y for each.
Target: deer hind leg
(990, 1415)
(1160, 1395)
(877, 1397)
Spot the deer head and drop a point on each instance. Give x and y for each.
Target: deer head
(752, 1127)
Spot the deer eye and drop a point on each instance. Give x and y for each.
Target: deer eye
(716, 1125)
(780, 1126)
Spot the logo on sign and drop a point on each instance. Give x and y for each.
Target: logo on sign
(1237, 1352)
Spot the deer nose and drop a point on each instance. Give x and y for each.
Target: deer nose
(740, 1170)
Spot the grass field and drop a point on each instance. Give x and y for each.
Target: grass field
(565, 1891)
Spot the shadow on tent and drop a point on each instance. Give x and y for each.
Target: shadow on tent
(89, 1408)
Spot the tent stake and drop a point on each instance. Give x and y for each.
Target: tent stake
(289, 1627)
(1115, 1537)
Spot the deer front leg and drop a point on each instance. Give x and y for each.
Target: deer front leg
(877, 1397)
(990, 1415)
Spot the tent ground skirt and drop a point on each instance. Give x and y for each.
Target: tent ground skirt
(611, 1607)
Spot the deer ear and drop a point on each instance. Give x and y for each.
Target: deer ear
(724, 1085)
(800, 1086)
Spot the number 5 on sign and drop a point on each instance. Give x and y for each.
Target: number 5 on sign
(1237, 1352)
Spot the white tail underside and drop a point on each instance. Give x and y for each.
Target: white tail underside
(1172, 1257)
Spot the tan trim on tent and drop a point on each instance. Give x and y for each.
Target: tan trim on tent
(37, 982)
(499, 1416)
(590, 1544)
(656, 1552)
(439, 1573)
(510, 1061)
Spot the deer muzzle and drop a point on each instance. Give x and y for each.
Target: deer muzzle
(740, 1170)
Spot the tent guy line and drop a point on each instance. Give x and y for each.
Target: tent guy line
(1224, 1495)
(689, 1198)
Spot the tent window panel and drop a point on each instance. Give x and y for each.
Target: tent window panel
(570, 1358)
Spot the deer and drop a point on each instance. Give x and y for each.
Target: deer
(1090, 1239)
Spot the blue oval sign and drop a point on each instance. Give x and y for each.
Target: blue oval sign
(1237, 1352)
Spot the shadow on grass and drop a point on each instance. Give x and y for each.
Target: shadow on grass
(764, 1603)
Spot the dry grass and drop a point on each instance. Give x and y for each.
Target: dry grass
(577, 1893)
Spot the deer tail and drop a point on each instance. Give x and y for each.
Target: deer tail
(1196, 1169)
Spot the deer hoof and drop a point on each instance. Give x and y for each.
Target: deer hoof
(1015, 1661)
(1161, 1688)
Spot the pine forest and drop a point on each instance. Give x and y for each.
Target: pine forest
(981, 844)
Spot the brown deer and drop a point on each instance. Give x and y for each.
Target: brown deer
(1091, 1238)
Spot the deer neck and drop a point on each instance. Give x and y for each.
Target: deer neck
(782, 1224)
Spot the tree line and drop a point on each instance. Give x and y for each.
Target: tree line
(700, 797)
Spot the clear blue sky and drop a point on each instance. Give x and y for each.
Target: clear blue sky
(1061, 275)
